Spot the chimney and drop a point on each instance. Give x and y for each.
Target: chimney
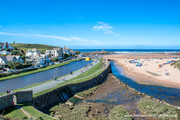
(13, 42)
(6, 45)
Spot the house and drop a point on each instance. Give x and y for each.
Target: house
(55, 53)
(4, 46)
(66, 50)
(81, 55)
(4, 52)
(72, 52)
(19, 59)
(39, 59)
(5, 59)
(32, 52)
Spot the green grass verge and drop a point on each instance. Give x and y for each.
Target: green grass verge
(98, 66)
(14, 113)
(88, 92)
(119, 113)
(35, 113)
(35, 71)
(158, 110)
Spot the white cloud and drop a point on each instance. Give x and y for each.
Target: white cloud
(36, 35)
(52, 36)
(106, 28)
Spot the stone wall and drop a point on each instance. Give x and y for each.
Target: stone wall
(19, 97)
(23, 96)
(6, 101)
(79, 87)
(47, 100)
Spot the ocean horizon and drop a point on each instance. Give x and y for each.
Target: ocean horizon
(132, 50)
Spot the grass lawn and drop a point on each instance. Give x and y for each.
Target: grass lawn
(119, 113)
(35, 71)
(78, 112)
(35, 113)
(158, 110)
(14, 113)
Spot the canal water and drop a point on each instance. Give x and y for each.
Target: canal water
(170, 95)
(27, 80)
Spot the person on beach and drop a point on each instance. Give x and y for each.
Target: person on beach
(81, 71)
(71, 73)
(63, 78)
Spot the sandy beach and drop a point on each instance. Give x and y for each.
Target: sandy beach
(149, 68)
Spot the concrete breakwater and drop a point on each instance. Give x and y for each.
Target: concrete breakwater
(63, 93)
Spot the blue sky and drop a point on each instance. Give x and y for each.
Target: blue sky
(92, 23)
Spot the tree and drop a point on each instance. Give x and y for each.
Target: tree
(15, 65)
(77, 52)
(55, 60)
(14, 52)
(24, 58)
(66, 55)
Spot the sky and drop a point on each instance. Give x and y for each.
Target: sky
(103, 24)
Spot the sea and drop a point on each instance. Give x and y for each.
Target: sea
(132, 50)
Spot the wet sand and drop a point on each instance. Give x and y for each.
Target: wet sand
(113, 92)
(141, 75)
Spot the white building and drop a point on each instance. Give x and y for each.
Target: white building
(19, 59)
(56, 52)
(66, 50)
(4, 52)
(39, 59)
(32, 52)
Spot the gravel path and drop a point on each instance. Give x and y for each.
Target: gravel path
(52, 84)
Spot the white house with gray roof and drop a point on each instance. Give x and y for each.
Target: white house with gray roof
(5, 59)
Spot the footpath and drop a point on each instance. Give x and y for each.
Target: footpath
(52, 84)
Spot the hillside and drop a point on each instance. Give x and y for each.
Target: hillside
(25, 47)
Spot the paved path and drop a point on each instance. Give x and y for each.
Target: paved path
(53, 83)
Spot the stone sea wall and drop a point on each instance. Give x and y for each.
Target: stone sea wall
(16, 97)
(47, 100)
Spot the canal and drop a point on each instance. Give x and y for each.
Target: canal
(27, 80)
(170, 95)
